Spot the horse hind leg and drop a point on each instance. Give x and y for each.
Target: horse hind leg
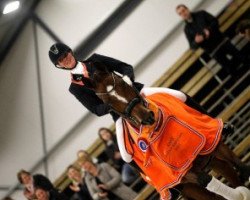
(207, 182)
(222, 152)
(197, 192)
(226, 170)
(240, 193)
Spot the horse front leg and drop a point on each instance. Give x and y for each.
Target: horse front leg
(222, 152)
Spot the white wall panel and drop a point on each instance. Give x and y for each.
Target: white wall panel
(74, 20)
(61, 109)
(141, 30)
(82, 138)
(20, 127)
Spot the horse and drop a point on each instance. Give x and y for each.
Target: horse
(141, 138)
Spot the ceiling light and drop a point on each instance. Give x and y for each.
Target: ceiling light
(10, 7)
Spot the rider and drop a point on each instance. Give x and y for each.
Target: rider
(63, 57)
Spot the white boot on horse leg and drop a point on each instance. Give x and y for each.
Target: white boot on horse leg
(244, 192)
(240, 193)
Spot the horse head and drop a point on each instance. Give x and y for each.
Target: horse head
(118, 91)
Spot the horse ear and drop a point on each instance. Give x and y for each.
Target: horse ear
(89, 83)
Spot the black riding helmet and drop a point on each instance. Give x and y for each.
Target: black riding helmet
(56, 51)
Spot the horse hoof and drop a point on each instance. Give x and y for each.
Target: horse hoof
(244, 192)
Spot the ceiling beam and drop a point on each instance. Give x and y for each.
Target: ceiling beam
(107, 27)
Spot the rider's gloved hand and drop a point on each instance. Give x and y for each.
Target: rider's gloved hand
(124, 77)
(228, 129)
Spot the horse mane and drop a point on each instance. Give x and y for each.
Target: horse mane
(99, 69)
(89, 83)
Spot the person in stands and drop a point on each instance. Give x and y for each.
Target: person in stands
(78, 183)
(104, 182)
(129, 174)
(202, 30)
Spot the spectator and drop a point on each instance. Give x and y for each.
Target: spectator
(78, 184)
(82, 152)
(128, 173)
(42, 194)
(32, 182)
(202, 30)
(243, 28)
(104, 182)
(62, 57)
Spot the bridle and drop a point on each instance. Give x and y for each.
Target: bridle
(127, 113)
(108, 92)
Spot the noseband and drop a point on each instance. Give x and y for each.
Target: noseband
(131, 105)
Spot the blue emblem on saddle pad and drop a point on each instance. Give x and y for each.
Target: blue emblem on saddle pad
(143, 145)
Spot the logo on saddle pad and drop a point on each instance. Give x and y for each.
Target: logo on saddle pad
(143, 145)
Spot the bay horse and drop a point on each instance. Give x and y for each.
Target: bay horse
(170, 151)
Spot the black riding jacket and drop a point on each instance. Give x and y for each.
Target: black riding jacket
(87, 97)
(203, 20)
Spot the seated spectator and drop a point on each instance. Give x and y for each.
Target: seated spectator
(243, 28)
(78, 185)
(32, 182)
(82, 152)
(104, 182)
(42, 194)
(128, 173)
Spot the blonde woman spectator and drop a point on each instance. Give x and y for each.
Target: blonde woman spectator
(82, 152)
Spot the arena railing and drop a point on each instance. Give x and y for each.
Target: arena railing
(231, 14)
